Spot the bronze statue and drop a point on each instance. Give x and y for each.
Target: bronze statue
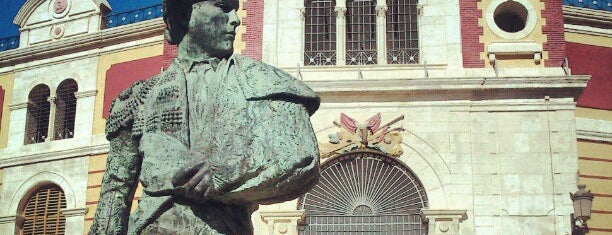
(210, 138)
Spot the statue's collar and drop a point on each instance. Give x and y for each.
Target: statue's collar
(188, 64)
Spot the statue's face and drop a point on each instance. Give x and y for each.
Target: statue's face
(213, 26)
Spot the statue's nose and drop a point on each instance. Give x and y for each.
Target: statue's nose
(233, 18)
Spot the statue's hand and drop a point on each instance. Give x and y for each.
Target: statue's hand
(194, 181)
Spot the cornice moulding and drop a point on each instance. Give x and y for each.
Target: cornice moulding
(84, 42)
(16, 160)
(588, 30)
(594, 130)
(84, 94)
(588, 15)
(13, 107)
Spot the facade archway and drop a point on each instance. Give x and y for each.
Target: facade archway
(364, 191)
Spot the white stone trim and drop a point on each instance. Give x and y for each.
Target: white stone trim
(594, 130)
(74, 211)
(36, 180)
(84, 94)
(515, 48)
(282, 222)
(13, 107)
(445, 84)
(447, 222)
(530, 23)
(8, 219)
(588, 30)
(30, 6)
(84, 42)
(15, 159)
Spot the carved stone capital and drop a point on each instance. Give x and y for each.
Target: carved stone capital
(282, 222)
(444, 222)
(8, 219)
(302, 12)
(381, 11)
(52, 99)
(84, 94)
(340, 11)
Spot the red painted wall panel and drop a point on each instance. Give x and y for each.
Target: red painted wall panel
(597, 62)
(121, 76)
(470, 34)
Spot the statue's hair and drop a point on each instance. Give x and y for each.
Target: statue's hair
(176, 16)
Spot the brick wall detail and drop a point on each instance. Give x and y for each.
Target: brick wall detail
(170, 52)
(470, 34)
(254, 28)
(555, 44)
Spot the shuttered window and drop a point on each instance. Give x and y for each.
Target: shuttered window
(42, 213)
(37, 120)
(65, 110)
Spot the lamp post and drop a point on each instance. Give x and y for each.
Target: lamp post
(583, 200)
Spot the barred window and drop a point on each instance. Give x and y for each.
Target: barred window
(402, 32)
(41, 214)
(364, 192)
(361, 32)
(320, 34)
(65, 110)
(37, 120)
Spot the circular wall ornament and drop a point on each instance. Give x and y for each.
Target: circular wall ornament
(57, 31)
(59, 8)
(511, 19)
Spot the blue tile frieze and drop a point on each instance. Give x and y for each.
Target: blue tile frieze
(135, 16)
(605, 5)
(9, 43)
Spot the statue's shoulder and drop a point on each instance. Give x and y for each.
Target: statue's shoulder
(263, 81)
(125, 109)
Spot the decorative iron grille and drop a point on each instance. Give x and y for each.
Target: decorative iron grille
(65, 112)
(364, 192)
(605, 5)
(361, 32)
(42, 213)
(402, 32)
(37, 121)
(320, 32)
(134, 16)
(9, 43)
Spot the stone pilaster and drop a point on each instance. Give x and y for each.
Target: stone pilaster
(444, 222)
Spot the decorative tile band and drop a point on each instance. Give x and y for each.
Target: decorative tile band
(605, 5)
(135, 16)
(9, 43)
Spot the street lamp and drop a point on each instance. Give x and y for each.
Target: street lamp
(583, 200)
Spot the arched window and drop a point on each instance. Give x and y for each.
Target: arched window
(65, 110)
(41, 212)
(402, 32)
(37, 120)
(320, 32)
(361, 32)
(364, 192)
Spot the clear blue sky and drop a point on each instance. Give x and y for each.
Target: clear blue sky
(10, 8)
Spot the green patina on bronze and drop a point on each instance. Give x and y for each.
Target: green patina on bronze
(210, 138)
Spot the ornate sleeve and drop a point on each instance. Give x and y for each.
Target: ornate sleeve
(280, 162)
(118, 186)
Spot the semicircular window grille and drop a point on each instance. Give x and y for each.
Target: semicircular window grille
(42, 212)
(364, 192)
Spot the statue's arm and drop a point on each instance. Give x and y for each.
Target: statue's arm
(118, 186)
(281, 162)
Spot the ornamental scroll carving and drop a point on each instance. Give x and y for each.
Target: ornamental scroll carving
(369, 134)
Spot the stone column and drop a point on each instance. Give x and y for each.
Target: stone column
(53, 107)
(381, 31)
(340, 33)
(444, 222)
(282, 222)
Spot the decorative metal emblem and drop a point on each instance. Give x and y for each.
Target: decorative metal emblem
(364, 135)
(59, 6)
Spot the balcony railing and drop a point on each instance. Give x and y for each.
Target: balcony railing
(605, 5)
(9, 43)
(135, 16)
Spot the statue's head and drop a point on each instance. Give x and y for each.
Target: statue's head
(208, 24)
